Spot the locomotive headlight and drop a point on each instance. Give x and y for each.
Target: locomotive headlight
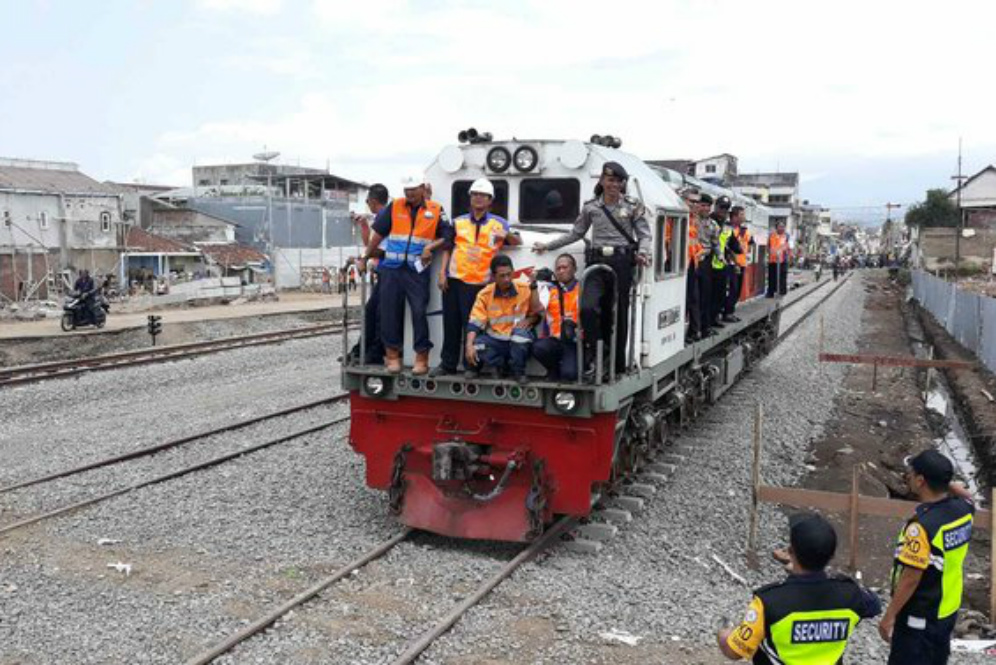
(375, 386)
(499, 159)
(565, 401)
(525, 158)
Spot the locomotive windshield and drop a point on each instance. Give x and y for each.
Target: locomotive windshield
(549, 200)
(461, 198)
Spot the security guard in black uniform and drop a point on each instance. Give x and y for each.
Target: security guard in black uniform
(620, 239)
(927, 575)
(808, 618)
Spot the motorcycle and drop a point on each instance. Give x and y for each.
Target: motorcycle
(84, 309)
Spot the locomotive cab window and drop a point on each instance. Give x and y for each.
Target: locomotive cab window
(670, 246)
(549, 200)
(460, 199)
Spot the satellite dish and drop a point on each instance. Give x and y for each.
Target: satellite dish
(266, 156)
(451, 159)
(573, 154)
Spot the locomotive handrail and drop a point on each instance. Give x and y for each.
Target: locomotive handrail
(588, 272)
(367, 274)
(483, 425)
(345, 325)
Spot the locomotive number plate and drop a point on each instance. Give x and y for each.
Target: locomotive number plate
(668, 317)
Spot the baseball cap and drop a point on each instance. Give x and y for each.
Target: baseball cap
(933, 466)
(813, 540)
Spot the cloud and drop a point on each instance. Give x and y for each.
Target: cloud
(259, 7)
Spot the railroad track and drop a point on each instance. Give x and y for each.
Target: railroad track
(158, 448)
(411, 651)
(12, 376)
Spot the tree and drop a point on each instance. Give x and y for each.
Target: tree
(936, 210)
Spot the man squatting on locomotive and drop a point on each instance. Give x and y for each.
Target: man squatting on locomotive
(405, 234)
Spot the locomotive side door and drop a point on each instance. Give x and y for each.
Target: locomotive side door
(664, 287)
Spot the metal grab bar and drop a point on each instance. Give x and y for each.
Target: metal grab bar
(588, 272)
(366, 274)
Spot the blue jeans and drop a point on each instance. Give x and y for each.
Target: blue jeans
(503, 354)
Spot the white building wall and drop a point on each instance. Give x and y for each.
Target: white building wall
(980, 193)
(34, 221)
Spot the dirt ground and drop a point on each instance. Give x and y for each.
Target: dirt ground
(877, 430)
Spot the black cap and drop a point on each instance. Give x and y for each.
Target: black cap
(936, 469)
(616, 169)
(813, 539)
(724, 202)
(705, 198)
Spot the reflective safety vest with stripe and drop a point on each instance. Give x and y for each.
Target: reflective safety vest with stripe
(943, 529)
(563, 304)
(475, 246)
(804, 620)
(778, 246)
(495, 314)
(743, 237)
(694, 246)
(718, 260)
(409, 237)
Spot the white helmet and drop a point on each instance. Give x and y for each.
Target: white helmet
(483, 186)
(412, 181)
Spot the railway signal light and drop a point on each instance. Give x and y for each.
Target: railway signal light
(155, 326)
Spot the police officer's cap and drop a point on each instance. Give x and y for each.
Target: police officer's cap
(933, 466)
(705, 198)
(616, 169)
(724, 202)
(813, 539)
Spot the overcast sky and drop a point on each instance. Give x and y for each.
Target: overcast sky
(866, 99)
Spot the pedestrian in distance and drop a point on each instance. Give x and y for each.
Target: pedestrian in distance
(928, 569)
(807, 618)
(478, 236)
(556, 349)
(499, 333)
(621, 240)
(414, 228)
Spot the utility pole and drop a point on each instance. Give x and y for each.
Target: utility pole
(266, 157)
(959, 180)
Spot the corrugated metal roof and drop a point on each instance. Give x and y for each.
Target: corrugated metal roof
(139, 240)
(232, 255)
(54, 180)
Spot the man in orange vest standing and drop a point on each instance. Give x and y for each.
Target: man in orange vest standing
(414, 228)
(478, 236)
(778, 260)
(558, 295)
(738, 218)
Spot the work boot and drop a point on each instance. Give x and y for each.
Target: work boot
(421, 363)
(393, 358)
(472, 373)
(730, 319)
(441, 371)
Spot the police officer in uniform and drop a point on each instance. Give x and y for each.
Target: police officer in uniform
(927, 575)
(722, 259)
(620, 239)
(708, 239)
(807, 618)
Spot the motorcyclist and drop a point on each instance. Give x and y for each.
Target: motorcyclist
(84, 283)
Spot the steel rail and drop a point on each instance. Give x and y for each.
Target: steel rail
(150, 450)
(415, 648)
(809, 312)
(62, 368)
(168, 476)
(271, 617)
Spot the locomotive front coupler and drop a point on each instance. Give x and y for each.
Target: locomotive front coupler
(459, 460)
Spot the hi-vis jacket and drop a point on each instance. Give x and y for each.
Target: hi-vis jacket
(474, 247)
(495, 313)
(694, 246)
(744, 238)
(778, 248)
(408, 237)
(561, 302)
(805, 620)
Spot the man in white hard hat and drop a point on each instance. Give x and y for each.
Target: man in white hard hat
(478, 236)
(414, 228)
